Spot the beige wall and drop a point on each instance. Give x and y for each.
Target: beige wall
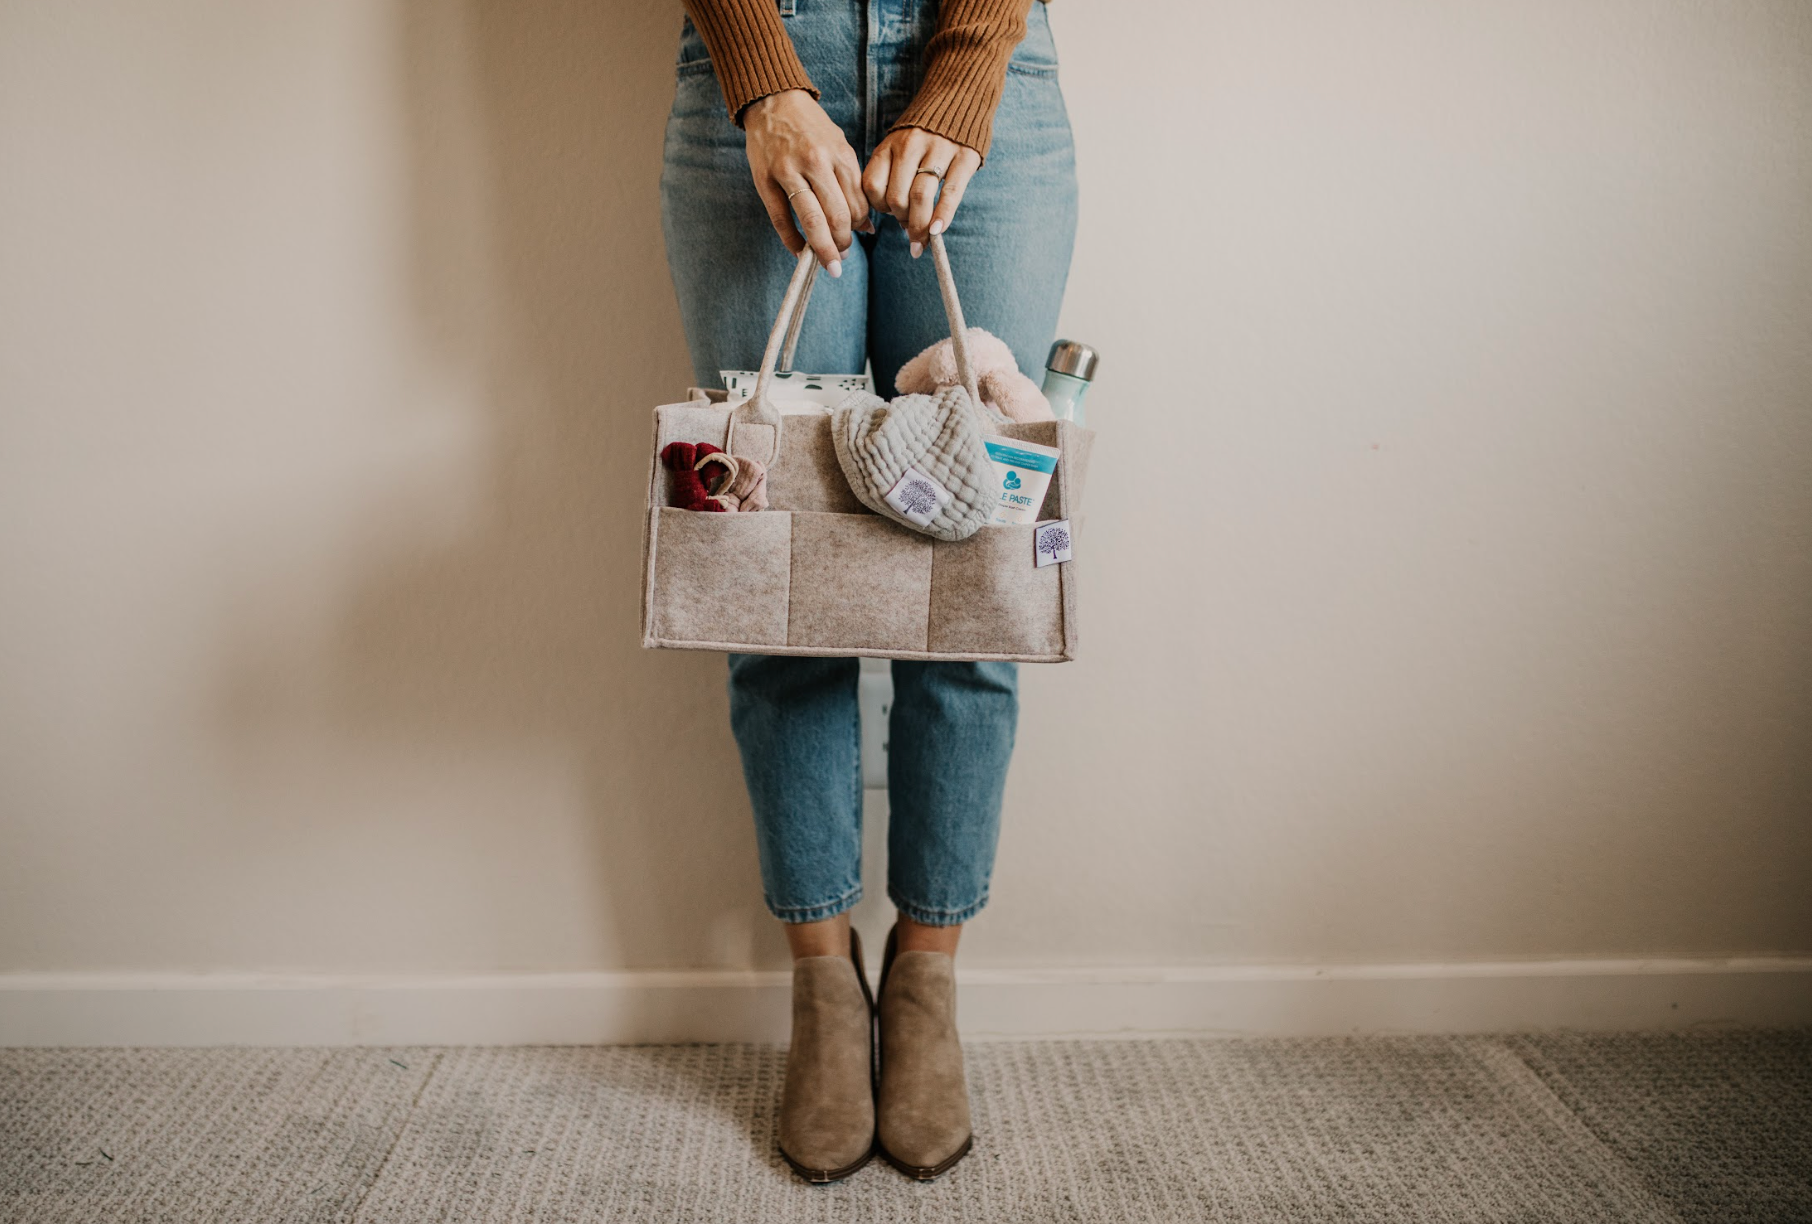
(1450, 563)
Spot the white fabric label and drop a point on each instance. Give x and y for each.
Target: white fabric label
(917, 497)
(1051, 543)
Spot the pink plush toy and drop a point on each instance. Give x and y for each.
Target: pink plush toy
(997, 377)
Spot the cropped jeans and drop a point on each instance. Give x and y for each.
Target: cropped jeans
(795, 719)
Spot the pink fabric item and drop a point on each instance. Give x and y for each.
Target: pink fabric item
(737, 484)
(1014, 395)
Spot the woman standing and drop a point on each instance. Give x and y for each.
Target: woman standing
(859, 128)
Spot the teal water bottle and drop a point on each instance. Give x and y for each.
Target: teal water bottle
(1067, 373)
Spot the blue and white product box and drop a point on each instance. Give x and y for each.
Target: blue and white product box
(1023, 470)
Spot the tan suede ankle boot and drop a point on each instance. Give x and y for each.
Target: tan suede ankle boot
(922, 1112)
(827, 1110)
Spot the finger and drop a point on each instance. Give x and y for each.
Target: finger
(849, 177)
(876, 175)
(780, 213)
(955, 183)
(812, 223)
(905, 168)
(823, 178)
(922, 196)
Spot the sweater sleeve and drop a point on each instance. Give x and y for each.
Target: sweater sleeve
(966, 70)
(751, 52)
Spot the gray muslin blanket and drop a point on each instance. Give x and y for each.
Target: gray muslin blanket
(918, 460)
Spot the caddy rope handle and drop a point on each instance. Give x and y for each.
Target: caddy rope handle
(953, 312)
(784, 338)
(792, 329)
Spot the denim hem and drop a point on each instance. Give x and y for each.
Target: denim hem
(926, 915)
(816, 913)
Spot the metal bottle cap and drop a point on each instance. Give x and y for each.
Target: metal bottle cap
(1072, 358)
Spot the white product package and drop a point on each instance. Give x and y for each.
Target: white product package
(796, 392)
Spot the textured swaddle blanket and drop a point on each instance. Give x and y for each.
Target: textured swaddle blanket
(918, 460)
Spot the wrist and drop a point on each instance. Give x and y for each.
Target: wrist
(767, 104)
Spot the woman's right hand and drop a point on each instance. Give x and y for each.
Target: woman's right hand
(802, 164)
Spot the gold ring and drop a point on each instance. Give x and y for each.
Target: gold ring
(795, 191)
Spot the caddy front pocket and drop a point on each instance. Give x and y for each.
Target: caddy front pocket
(722, 578)
(988, 595)
(859, 583)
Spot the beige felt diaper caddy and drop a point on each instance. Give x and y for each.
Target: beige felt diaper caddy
(818, 572)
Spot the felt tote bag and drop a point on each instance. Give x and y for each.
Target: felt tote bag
(819, 572)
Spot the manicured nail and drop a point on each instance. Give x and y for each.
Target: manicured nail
(918, 249)
(835, 268)
(937, 227)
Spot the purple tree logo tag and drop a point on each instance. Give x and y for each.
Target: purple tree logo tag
(1051, 543)
(917, 497)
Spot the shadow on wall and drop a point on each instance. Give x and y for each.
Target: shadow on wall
(534, 132)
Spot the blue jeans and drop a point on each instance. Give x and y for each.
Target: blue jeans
(950, 736)
(795, 719)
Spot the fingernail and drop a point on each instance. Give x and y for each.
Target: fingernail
(918, 249)
(937, 227)
(835, 268)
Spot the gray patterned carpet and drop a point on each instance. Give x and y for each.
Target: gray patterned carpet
(1713, 1126)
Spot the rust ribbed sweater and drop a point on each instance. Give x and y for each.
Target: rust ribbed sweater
(965, 61)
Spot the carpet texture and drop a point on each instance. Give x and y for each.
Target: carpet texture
(1713, 1126)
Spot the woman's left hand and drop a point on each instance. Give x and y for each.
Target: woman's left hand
(894, 185)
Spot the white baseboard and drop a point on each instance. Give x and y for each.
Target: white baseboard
(43, 1009)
